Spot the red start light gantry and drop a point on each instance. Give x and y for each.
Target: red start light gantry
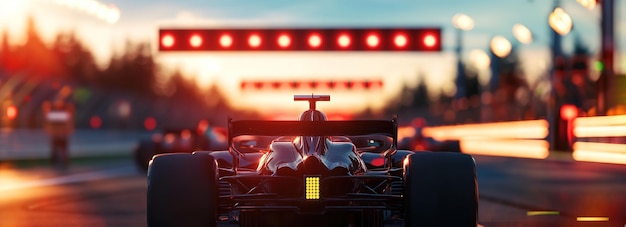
(311, 85)
(301, 39)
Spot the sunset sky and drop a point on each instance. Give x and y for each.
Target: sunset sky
(108, 24)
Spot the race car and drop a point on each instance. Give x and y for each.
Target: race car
(312, 172)
(179, 140)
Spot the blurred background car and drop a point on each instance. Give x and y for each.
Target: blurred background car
(181, 140)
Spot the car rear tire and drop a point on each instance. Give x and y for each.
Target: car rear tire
(440, 189)
(182, 190)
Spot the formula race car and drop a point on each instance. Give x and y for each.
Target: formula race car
(312, 172)
(179, 140)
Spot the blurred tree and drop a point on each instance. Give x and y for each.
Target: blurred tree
(184, 89)
(4, 53)
(510, 77)
(132, 74)
(134, 71)
(472, 85)
(35, 57)
(214, 98)
(77, 60)
(420, 95)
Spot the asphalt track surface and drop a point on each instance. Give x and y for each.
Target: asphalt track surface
(513, 192)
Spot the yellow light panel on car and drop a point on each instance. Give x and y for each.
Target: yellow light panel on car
(312, 187)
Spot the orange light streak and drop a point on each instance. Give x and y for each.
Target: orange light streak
(601, 126)
(532, 129)
(537, 149)
(600, 120)
(600, 131)
(600, 152)
(405, 132)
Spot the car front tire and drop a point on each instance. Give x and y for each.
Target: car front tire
(440, 189)
(182, 190)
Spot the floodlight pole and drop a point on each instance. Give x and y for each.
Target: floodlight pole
(554, 102)
(607, 53)
(460, 76)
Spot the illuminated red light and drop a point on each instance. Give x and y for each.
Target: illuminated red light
(167, 41)
(11, 112)
(569, 112)
(430, 41)
(285, 86)
(344, 40)
(323, 86)
(341, 85)
(267, 85)
(372, 40)
(150, 123)
(378, 162)
(400, 40)
(258, 85)
(358, 85)
(246, 85)
(305, 85)
(226, 41)
(95, 122)
(195, 40)
(315, 40)
(374, 85)
(284, 41)
(254, 41)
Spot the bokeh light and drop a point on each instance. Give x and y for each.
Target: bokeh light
(195, 40)
(522, 33)
(284, 40)
(150, 123)
(479, 59)
(589, 4)
(500, 46)
(463, 22)
(254, 40)
(108, 13)
(95, 122)
(560, 21)
(344, 40)
(372, 40)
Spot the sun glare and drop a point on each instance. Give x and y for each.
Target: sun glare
(12, 9)
(99, 10)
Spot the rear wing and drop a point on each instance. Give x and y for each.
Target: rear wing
(313, 128)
